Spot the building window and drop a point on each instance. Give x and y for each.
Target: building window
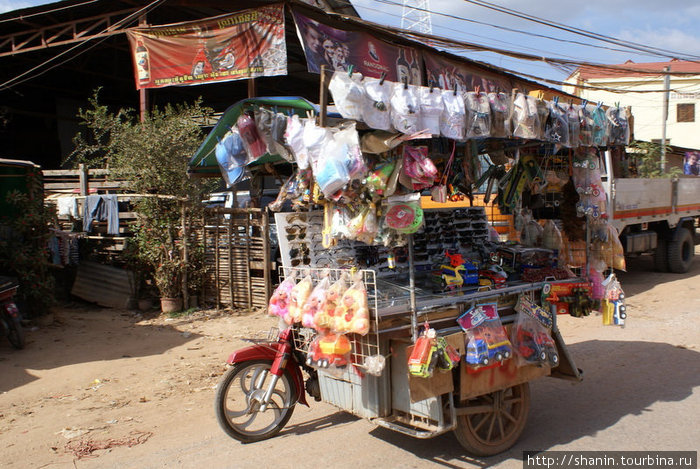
(685, 112)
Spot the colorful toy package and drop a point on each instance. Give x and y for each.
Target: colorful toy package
(300, 293)
(325, 318)
(279, 301)
(487, 341)
(352, 313)
(313, 304)
(531, 335)
(330, 352)
(614, 309)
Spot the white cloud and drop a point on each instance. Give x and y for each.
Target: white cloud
(666, 38)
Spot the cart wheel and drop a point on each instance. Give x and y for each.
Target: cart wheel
(493, 422)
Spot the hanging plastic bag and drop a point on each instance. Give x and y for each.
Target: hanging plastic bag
(487, 341)
(253, 143)
(614, 309)
(618, 127)
(418, 167)
(551, 236)
(531, 338)
(617, 249)
(272, 132)
(294, 136)
(330, 352)
(232, 158)
(376, 109)
(430, 109)
(352, 314)
(586, 125)
(532, 232)
(557, 129)
(280, 299)
(348, 94)
(405, 108)
(478, 115)
(377, 180)
(572, 116)
(330, 171)
(297, 187)
(500, 124)
(355, 163)
(314, 302)
(542, 115)
(314, 138)
(600, 126)
(403, 216)
(453, 119)
(300, 293)
(325, 318)
(438, 193)
(525, 118)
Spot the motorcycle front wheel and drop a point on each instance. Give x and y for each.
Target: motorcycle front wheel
(239, 397)
(15, 332)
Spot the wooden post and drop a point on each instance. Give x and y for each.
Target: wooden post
(217, 284)
(249, 239)
(265, 229)
(323, 97)
(252, 88)
(143, 96)
(229, 240)
(185, 257)
(84, 174)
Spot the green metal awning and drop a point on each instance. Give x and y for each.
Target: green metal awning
(203, 162)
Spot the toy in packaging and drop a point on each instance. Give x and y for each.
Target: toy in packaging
(252, 141)
(232, 158)
(376, 109)
(331, 171)
(348, 94)
(500, 124)
(271, 126)
(586, 125)
(294, 136)
(618, 127)
(330, 352)
(572, 115)
(430, 110)
(314, 302)
(298, 296)
(453, 117)
(531, 335)
(478, 115)
(424, 356)
(600, 126)
(280, 299)
(377, 180)
(403, 216)
(557, 129)
(487, 342)
(526, 121)
(325, 318)
(352, 313)
(404, 108)
(419, 171)
(614, 309)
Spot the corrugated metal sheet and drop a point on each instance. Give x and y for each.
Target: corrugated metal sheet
(102, 284)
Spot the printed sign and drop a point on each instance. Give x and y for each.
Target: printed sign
(247, 44)
(691, 163)
(450, 75)
(477, 315)
(338, 49)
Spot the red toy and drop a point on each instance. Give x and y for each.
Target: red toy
(330, 350)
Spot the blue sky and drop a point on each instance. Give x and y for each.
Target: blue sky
(669, 24)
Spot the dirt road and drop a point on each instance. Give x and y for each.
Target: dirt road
(100, 378)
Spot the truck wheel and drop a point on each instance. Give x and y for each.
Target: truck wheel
(661, 256)
(492, 423)
(681, 250)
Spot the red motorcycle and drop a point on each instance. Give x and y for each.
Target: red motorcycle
(257, 395)
(10, 325)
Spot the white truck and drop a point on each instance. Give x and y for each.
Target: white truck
(656, 216)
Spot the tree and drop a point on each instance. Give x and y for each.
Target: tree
(648, 160)
(152, 157)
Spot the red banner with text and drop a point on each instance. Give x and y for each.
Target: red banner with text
(247, 44)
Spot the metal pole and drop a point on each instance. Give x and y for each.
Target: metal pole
(664, 118)
(143, 93)
(412, 290)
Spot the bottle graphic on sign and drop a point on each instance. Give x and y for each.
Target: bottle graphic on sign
(415, 71)
(403, 71)
(143, 66)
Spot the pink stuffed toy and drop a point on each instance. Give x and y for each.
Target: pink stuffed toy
(279, 301)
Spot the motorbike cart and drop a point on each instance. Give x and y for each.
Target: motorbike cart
(10, 325)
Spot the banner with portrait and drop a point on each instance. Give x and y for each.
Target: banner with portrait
(338, 49)
(691, 163)
(451, 74)
(247, 44)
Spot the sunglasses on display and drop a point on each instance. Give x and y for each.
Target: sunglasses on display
(297, 216)
(304, 261)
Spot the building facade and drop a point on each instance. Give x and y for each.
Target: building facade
(642, 89)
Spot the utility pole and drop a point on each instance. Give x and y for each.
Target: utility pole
(664, 118)
(416, 16)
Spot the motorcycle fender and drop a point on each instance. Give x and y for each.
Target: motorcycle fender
(268, 352)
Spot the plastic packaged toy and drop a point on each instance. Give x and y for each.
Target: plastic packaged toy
(298, 296)
(279, 301)
(500, 124)
(586, 124)
(419, 171)
(314, 302)
(618, 127)
(376, 110)
(478, 115)
(424, 356)
(404, 108)
(526, 121)
(453, 117)
(430, 110)
(487, 342)
(572, 115)
(325, 318)
(557, 129)
(614, 309)
(352, 313)
(330, 352)
(531, 335)
(600, 126)
(348, 94)
(252, 141)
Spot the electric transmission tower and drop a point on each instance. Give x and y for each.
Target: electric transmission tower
(416, 16)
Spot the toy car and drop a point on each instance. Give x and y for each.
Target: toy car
(492, 277)
(458, 273)
(481, 353)
(536, 348)
(329, 350)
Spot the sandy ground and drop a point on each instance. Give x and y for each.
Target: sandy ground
(142, 388)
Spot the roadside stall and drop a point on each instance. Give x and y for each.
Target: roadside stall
(423, 320)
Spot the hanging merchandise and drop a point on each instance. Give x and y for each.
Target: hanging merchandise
(331, 168)
(348, 143)
(500, 110)
(376, 108)
(377, 180)
(542, 115)
(600, 126)
(557, 129)
(252, 141)
(572, 114)
(614, 309)
(330, 352)
(296, 189)
(314, 138)
(294, 136)
(352, 313)
(478, 115)
(348, 94)
(531, 335)
(525, 117)
(298, 296)
(551, 236)
(279, 301)
(430, 109)
(424, 356)
(232, 158)
(438, 193)
(487, 341)
(618, 126)
(419, 171)
(403, 214)
(325, 318)
(404, 108)
(586, 125)
(454, 115)
(312, 306)
(271, 126)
